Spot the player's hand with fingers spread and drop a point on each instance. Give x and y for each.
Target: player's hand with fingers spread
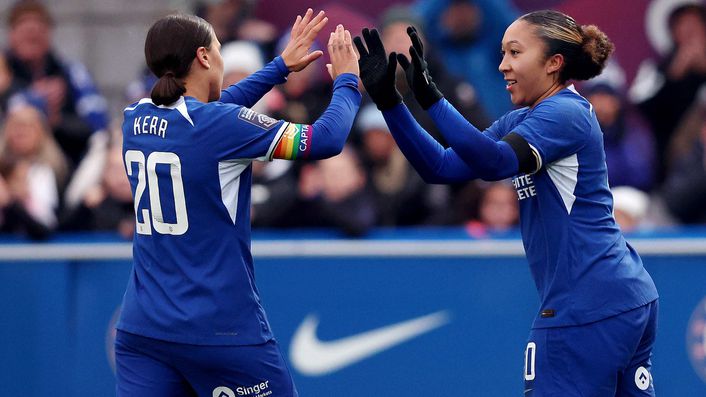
(343, 56)
(296, 54)
(417, 72)
(377, 70)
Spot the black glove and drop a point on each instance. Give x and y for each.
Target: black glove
(417, 73)
(377, 71)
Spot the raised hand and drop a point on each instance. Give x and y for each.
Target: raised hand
(377, 71)
(417, 72)
(343, 57)
(296, 54)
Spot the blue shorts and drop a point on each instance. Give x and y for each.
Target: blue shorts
(147, 367)
(607, 358)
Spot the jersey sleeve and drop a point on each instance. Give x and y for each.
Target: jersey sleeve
(555, 130)
(251, 89)
(241, 133)
(497, 130)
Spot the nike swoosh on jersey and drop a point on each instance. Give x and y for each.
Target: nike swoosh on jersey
(314, 357)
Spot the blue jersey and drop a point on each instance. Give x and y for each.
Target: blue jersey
(582, 266)
(189, 165)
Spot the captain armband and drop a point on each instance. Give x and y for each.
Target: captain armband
(294, 142)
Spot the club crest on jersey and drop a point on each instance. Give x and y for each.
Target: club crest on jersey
(696, 339)
(524, 185)
(258, 120)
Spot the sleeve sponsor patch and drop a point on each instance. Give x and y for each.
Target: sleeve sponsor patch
(295, 142)
(258, 120)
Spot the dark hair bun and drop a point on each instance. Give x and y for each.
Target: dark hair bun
(167, 89)
(596, 47)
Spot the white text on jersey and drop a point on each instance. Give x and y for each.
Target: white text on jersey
(152, 125)
(524, 186)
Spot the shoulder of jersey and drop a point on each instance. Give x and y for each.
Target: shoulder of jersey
(191, 103)
(566, 102)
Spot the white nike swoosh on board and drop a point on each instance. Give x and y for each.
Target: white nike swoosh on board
(314, 357)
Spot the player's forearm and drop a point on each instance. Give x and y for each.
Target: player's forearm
(433, 162)
(251, 89)
(332, 128)
(491, 160)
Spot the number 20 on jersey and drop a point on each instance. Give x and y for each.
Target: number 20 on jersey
(153, 217)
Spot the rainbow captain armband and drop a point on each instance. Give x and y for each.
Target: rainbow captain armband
(294, 143)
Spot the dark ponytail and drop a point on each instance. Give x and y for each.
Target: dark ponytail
(170, 49)
(167, 89)
(585, 48)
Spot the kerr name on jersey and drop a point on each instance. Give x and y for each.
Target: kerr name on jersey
(152, 125)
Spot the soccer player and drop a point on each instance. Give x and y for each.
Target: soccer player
(595, 328)
(192, 323)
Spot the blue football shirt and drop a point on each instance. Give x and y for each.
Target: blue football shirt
(189, 165)
(583, 268)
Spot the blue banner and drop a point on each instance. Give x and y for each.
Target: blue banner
(358, 323)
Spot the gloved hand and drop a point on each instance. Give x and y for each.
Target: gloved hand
(417, 73)
(377, 71)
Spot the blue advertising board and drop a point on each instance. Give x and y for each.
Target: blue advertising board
(393, 317)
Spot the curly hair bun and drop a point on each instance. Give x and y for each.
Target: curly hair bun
(596, 47)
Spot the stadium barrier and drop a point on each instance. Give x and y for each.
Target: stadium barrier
(402, 313)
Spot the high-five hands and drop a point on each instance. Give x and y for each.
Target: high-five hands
(417, 72)
(377, 70)
(343, 57)
(296, 54)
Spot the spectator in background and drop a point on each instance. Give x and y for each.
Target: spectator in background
(273, 193)
(463, 95)
(33, 171)
(306, 93)
(77, 113)
(684, 189)
(75, 109)
(663, 94)
(393, 30)
(630, 208)
(466, 34)
(498, 211)
(8, 85)
(107, 206)
(629, 144)
(140, 87)
(334, 193)
(402, 198)
(240, 60)
(233, 20)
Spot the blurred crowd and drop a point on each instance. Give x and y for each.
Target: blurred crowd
(61, 167)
